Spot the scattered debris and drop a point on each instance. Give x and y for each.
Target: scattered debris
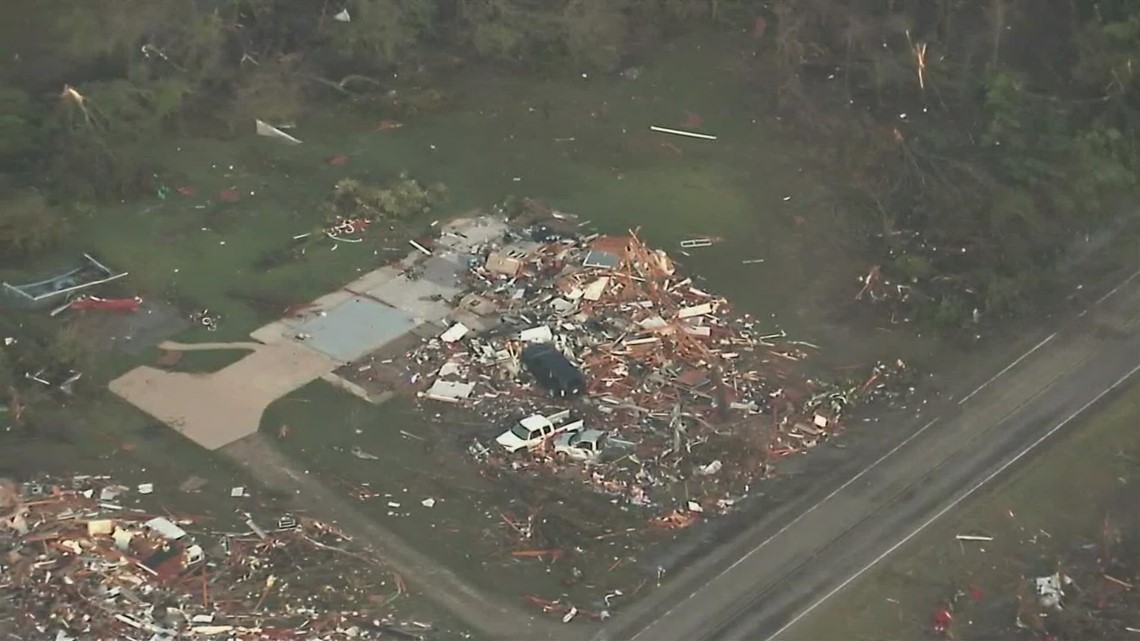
(342, 229)
(449, 391)
(1051, 589)
(454, 333)
(268, 130)
(114, 304)
(58, 379)
(670, 384)
(77, 567)
(696, 243)
(361, 454)
(206, 319)
(942, 620)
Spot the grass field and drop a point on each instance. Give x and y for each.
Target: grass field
(581, 144)
(1046, 516)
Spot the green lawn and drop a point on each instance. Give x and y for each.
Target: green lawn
(420, 456)
(754, 189)
(589, 152)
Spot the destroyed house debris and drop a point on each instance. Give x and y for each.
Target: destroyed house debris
(78, 564)
(681, 387)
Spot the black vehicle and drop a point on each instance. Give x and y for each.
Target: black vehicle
(553, 370)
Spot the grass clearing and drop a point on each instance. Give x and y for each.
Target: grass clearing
(420, 457)
(590, 153)
(1045, 514)
(207, 361)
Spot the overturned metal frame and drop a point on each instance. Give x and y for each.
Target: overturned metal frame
(21, 294)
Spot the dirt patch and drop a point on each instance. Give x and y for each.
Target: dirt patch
(154, 322)
(281, 256)
(382, 372)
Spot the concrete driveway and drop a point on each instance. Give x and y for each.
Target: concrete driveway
(224, 406)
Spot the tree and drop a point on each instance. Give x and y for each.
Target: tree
(273, 90)
(999, 17)
(7, 374)
(1026, 133)
(382, 32)
(19, 128)
(595, 32)
(400, 198)
(512, 31)
(28, 225)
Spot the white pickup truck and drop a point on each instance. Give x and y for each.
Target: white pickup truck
(533, 430)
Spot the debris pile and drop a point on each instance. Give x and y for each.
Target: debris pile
(684, 386)
(77, 565)
(1077, 587)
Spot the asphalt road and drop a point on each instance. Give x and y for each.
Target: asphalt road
(783, 568)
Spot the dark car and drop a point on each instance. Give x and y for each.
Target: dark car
(553, 370)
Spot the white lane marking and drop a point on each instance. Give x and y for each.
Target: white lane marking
(1009, 367)
(1117, 288)
(1051, 337)
(1053, 430)
(799, 518)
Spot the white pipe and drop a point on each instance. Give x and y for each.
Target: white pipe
(678, 132)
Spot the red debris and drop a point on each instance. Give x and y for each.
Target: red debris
(759, 28)
(387, 125)
(692, 120)
(338, 160)
(976, 593)
(229, 195)
(942, 619)
(186, 190)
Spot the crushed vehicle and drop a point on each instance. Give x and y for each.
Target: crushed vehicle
(553, 370)
(533, 430)
(581, 445)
